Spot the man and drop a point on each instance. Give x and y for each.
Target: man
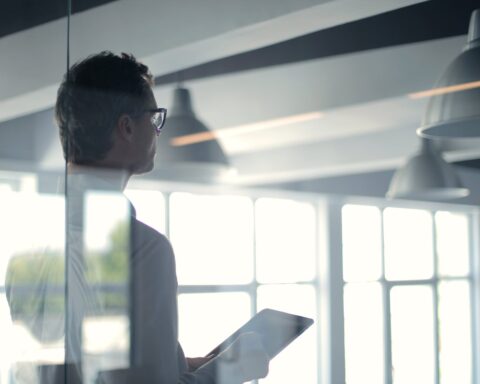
(109, 121)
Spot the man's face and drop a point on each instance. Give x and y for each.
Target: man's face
(144, 145)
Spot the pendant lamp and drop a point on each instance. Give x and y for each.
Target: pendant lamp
(454, 109)
(426, 176)
(202, 160)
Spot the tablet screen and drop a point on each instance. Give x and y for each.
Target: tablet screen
(276, 329)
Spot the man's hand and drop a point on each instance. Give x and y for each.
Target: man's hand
(244, 360)
(196, 362)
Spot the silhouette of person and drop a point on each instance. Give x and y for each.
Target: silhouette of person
(109, 122)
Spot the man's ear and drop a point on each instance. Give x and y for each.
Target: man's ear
(125, 127)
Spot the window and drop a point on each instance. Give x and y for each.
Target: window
(407, 295)
(24, 258)
(213, 238)
(237, 255)
(407, 280)
(285, 241)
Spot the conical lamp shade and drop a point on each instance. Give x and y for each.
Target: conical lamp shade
(199, 161)
(456, 113)
(426, 176)
(181, 121)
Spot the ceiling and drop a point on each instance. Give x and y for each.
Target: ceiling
(350, 63)
(19, 15)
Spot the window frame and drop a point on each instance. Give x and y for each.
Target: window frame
(249, 288)
(328, 282)
(472, 278)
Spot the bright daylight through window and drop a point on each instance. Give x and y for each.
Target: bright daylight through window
(408, 283)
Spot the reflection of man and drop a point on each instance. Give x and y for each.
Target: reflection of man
(109, 120)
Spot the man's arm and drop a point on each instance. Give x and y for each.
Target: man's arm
(243, 361)
(154, 305)
(155, 323)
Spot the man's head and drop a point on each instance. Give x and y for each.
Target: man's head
(102, 111)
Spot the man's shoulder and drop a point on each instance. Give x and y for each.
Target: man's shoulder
(145, 234)
(152, 252)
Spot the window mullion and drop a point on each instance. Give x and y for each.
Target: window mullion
(387, 325)
(331, 314)
(436, 318)
(318, 290)
(255, 284)
(474, 280)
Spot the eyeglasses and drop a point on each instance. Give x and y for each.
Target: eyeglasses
(158, 118)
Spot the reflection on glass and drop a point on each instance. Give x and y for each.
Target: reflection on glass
(362, 243)
(206, 319)
(408, 244)
(105, 216)
(298, 361)
(452, 243)
(15, 208)
(149, 207)
(364, 354)
(412, 320)
(213, 238)
(7, 340)
(105, 326)
(455, 332)
(32, 269)
(285, 240)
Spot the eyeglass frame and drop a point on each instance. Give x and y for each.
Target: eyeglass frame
(158, 129)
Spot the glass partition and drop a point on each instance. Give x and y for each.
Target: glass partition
(32, 205)
(169, 169)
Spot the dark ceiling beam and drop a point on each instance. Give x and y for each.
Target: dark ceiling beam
(18, 15)
(435, 19)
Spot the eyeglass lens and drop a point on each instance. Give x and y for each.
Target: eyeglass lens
(158, 120)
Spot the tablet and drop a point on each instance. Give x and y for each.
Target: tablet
(276, 329)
